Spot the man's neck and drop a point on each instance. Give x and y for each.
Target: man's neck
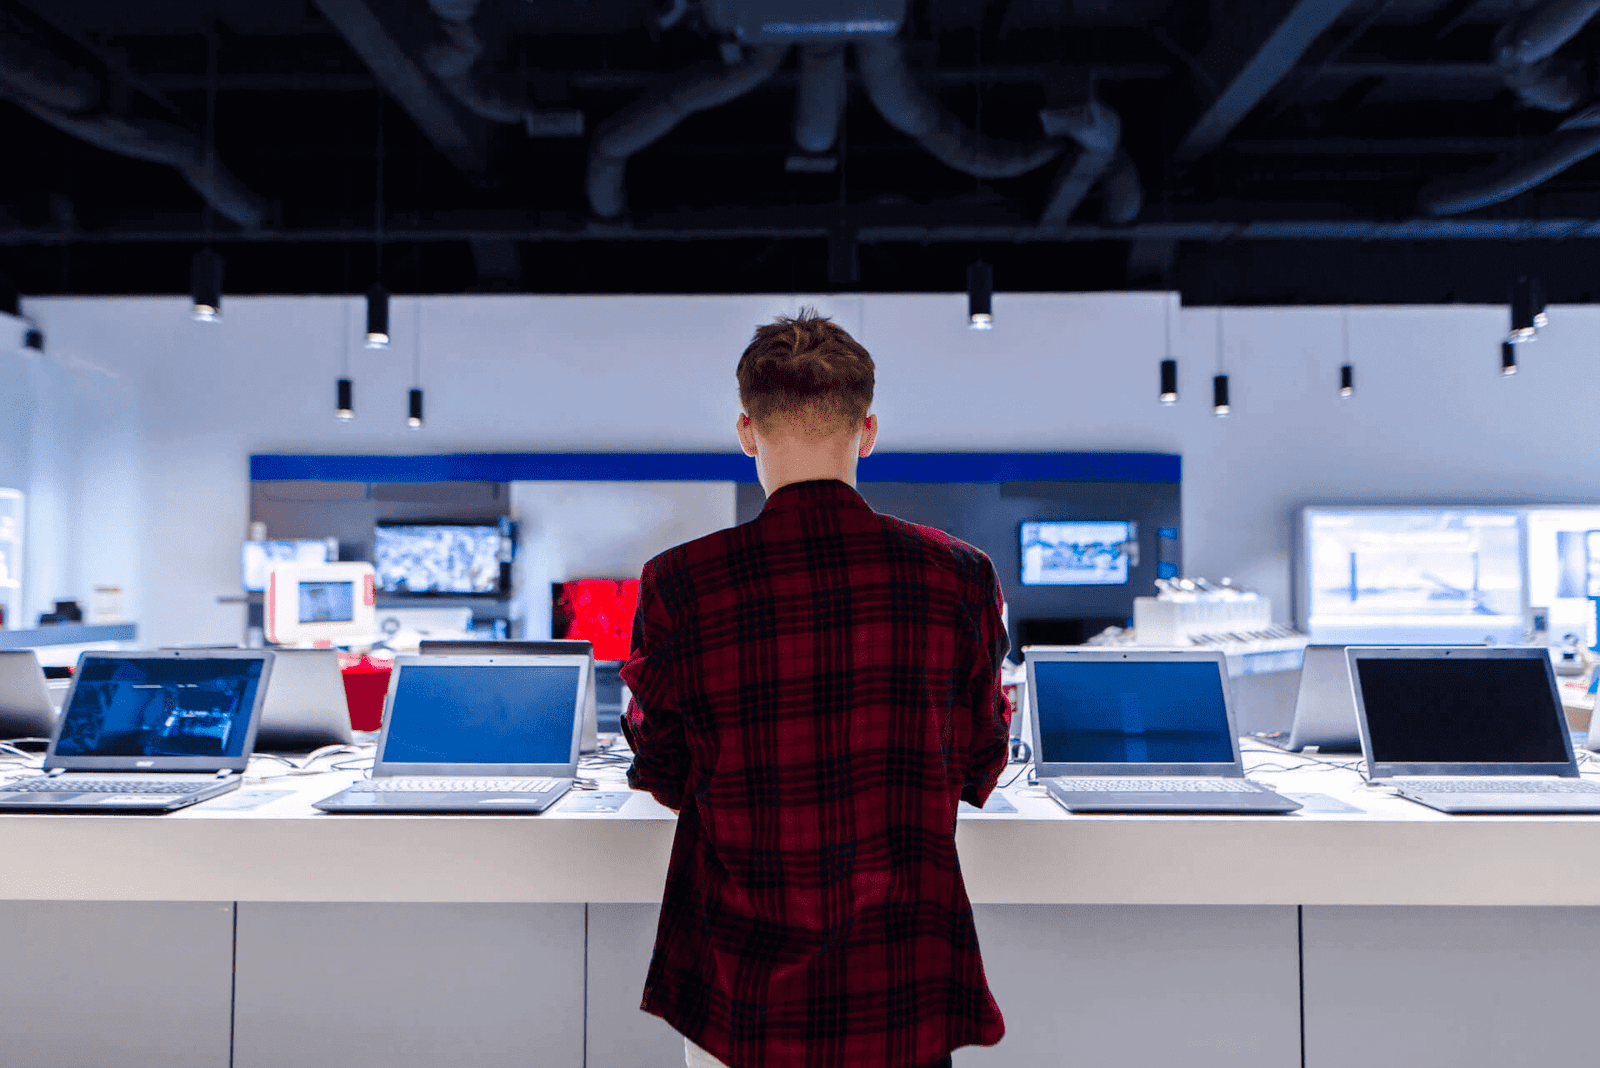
(773, 483)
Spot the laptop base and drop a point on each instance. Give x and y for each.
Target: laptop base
(1281, 740)
(80, 802)
(1252, 803)
(348, 802)
(1495, 804)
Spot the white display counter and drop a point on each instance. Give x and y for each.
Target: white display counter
(280, 935)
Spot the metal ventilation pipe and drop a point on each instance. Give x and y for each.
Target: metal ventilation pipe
(910, 109)
(1122, 190)
(820, 104)
(1525, 50)
(59, 94)
(652, 117)
(452, 62)
(1577, 139)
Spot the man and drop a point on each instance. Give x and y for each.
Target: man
(814, 691)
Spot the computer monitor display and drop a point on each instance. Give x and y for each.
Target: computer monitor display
(500, 714)
(257, 558)
(440, 558)
(1564, 568)
(1461, 711)
(1075, 554)
(1109, 712)
(1413, 575)
(159, 707)
(598, 611)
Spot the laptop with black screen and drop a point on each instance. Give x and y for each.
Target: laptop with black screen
(474, 734)
(1468, 729)
(1138, 730)
(149, 732)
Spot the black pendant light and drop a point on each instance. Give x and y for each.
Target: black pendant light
(1347, 381)
(1508, 358)
(1527, 310)
(1169, 381)
(414, 403)
(980, 296)
(414, 421)
(377, 316)
(1219, 397)
(34, 339)
(205, 286)
(346, 409)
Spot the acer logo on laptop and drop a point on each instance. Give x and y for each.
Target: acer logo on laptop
(144, 763)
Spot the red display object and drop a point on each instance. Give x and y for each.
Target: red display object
(366, 684)
(599, 611)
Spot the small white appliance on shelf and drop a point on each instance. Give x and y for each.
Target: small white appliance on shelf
(321, 605)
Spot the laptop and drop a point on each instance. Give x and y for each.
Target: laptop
(149, 732)
(1139, 730)
(306, 707)
(557, 647)
(1468, 728)
(1324, 708)
(474, 734)
(26, 710)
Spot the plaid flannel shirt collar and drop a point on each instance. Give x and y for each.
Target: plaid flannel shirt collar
(820, 493)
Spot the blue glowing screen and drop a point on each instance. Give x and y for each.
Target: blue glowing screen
(160, 707)
(470, 714)
(1131, 712)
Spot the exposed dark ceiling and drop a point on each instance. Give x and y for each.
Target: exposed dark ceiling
(1239, 150)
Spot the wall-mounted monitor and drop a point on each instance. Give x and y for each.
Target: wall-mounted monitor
(1564, 567)
(1062, 553)
(1412, 575)
(257, 558)
(451, 558)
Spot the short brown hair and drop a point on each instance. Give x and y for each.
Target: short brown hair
(809, 368)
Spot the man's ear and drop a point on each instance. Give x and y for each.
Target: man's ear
(869, 436)
(746, 429)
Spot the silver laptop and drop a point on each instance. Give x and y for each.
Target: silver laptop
(474, 734)
(1139, 730)
(555, 647)
(1324, 707)
(306, 707)
(1468, 728)
(26, 710)
(149, 732)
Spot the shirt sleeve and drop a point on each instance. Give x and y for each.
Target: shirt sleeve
(989, 706)
(653, 723)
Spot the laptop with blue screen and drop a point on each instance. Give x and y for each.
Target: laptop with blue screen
(1139, 730)
(149, 732)
(476, 734)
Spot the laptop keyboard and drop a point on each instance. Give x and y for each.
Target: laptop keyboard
(67, 784)
(441, 784)
(1500, 786)
(1159, 786)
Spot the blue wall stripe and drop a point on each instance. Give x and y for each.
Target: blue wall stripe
(714, 467)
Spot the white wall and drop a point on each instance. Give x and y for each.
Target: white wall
(68, 440)
(1431, 420)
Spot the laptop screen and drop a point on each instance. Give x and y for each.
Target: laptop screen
(1461, 711)
(1131, 712)
(161, 706)
(470, 714)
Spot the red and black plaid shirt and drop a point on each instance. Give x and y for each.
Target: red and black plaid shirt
(814, 691)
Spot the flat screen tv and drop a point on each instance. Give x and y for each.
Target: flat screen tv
(1074, 553)
(1377, 575)
(443, 559)
(599, 611)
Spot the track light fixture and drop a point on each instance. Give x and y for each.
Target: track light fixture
(1527, 310)
(980, 296)
(1508, 358)
(1347, 381)
(377, 316)
(1169, 381)
(205, 286)
(346, 409)
(1219, 397)
(414, 421)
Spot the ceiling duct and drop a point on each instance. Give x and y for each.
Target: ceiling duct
(913, 111)
(452, 62)
(820, 103)
(68, 98)
(1098, 131)
(1525, 50)
(652, 117)
(1577, 139)
(795, 22)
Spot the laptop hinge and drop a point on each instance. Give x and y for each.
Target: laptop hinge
(224, 773)
(56, 771)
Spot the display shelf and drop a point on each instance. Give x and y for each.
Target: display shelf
(67, 634)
